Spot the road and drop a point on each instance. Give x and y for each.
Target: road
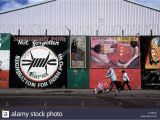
(82, 104)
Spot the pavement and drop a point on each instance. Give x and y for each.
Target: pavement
(31, 97)
(83, 102)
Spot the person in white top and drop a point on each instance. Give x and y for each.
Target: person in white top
(125, 79)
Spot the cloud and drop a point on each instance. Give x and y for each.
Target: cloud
(12, 4)
(5, 0)
(22, 1)
(36, 1)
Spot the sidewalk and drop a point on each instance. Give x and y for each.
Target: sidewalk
(76, 92)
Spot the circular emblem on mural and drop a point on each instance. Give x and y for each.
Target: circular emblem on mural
(39, 64)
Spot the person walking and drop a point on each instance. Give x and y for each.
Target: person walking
(112, 76)
(125, 79)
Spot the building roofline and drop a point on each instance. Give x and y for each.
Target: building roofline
(142, 5)
(27, 6)
(48, 1)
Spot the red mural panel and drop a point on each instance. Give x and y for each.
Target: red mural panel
(4, 79)
(98, 75)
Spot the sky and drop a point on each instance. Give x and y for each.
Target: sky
(13, 4)
(150, 3)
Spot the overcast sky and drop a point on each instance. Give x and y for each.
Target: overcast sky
(13, 4)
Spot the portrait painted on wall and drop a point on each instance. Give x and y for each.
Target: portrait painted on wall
(153, 54)
(78, 52)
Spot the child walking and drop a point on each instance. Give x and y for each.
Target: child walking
(125, 79)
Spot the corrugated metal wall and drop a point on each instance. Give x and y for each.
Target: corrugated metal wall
(83, 17)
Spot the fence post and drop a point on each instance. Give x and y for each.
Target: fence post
(46, 32)
(151, 32)
(97, 32)
(19, 32)
(122, 32)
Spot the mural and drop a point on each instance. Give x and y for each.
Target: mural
(98, 75)
(150, 62)
(153, 54)
(119, 52)
(38, 61)
(78, 52)
(4, 60)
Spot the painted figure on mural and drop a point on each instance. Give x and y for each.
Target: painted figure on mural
(154, 51)
(78, 52)
(134, 60)
(153, 54)
(100, 53)
(115, 51)
(74, 46)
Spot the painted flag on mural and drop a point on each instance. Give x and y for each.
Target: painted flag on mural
(4, 59)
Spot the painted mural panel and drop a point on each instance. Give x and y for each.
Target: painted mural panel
(4, 59)
(78, 78)
(38, 61)
(151, 79)
(153, 54)
(119, 52)
(78, 74)
(78, 51)
(150, 61)
(98, 75)
(4, 41)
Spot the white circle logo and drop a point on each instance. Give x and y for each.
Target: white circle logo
(39, 64)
